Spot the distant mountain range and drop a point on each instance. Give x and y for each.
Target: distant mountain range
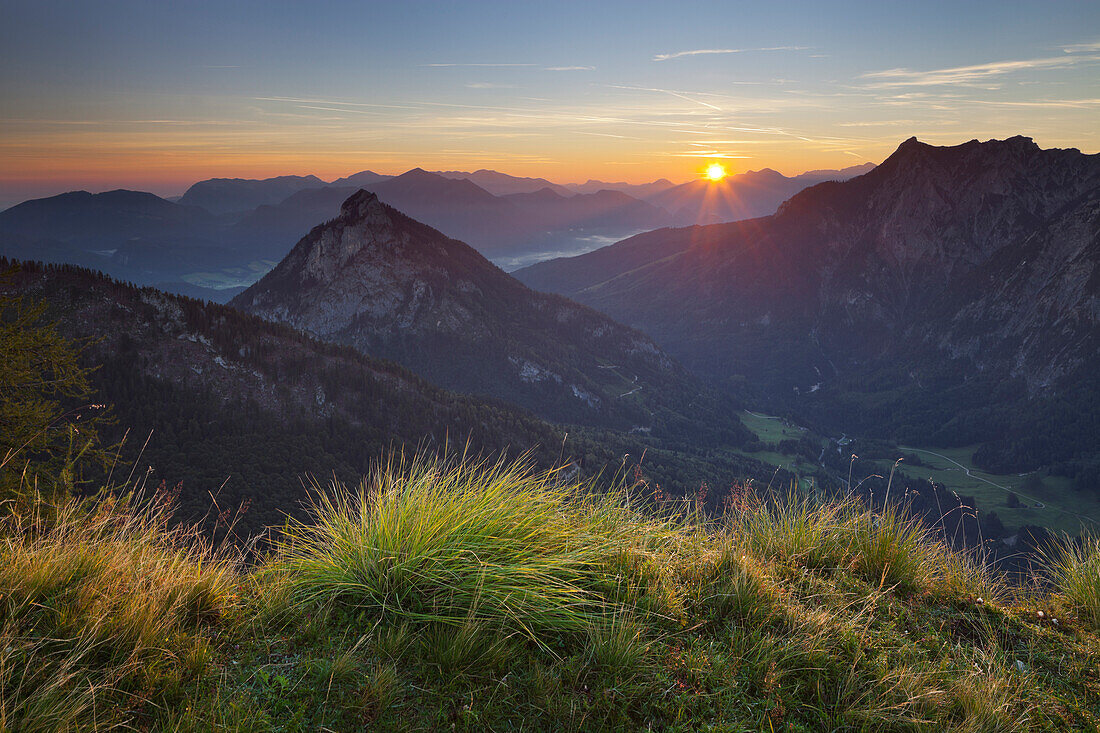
(740, 196)
(391, 286)
(502, 184)
(221, 234)
(948, 298)
(637, 190)
(237, 195)
(949, 295)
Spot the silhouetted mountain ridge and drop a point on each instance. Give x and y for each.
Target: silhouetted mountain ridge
(228, 195)
(740, 196)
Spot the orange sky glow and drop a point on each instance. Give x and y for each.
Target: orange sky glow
(156, 97)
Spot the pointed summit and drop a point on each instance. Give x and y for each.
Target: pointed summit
(393, 287)
(359, 204)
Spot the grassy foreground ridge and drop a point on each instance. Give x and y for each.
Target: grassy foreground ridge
(460, 595)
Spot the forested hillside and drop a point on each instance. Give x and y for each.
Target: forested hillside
(241, 409)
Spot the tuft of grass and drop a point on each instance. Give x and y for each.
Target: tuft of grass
(392, 643)
(44, 688)
(380, 690)
(794, 529)
(893, 550)
(97, 605)
(1074, 568)
(890, 548)
(617, 645)
(429, 541)
(474, 646)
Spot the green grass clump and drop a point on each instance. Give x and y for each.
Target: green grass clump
(888, 548)
(1075, 570)
(98, 605)
(433, 542)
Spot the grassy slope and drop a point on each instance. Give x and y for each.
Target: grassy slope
(491, 598)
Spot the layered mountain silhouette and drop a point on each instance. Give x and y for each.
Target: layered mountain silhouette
(950, 294)
(225, 232)
(599, 210)
(741, 196)
(391, 286)
(229, 195)
(362, 178)
(136, 235)
(494, 225)
(502, 184)
(637, 190)
(93, 220)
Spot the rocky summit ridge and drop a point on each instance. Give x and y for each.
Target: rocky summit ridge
(925, 288)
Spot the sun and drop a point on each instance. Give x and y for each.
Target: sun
(715, 172)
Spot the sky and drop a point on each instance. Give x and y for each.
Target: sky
(156, 95)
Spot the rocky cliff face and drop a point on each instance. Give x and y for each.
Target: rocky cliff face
(393, 287)
(958, 247)
(941, 266)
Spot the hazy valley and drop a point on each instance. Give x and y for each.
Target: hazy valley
(221, 235)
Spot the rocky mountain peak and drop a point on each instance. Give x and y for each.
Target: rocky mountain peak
(945, 271)
(390, 286)
(359, 205)
(943, 209)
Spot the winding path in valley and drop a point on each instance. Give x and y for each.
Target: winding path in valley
(1032, 499)
(952, 460)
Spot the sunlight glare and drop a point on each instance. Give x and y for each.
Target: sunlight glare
(715, 172)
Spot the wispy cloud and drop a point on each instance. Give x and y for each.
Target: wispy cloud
(897, 123)
(682, 95)
(709, 51)
(969, 75)
(488, 85)
(1079, 47)
(1043, 103)
(506, 66)
(608, 134)
(441, 66)
(709, 154)
(332, 101)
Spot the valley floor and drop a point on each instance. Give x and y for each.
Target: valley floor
(1050, 502)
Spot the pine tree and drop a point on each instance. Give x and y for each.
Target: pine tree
(48, 425)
